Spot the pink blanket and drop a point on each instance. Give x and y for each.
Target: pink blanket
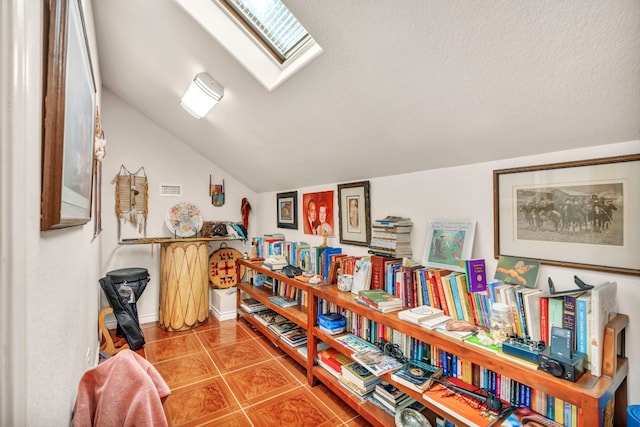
(125, 390)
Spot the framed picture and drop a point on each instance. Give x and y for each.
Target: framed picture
(580, 214)
(69, 120)
(448, 243)
(287, 205)
(354, 207)
(317, 209)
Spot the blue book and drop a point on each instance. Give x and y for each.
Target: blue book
(583, 317)
(450, 281)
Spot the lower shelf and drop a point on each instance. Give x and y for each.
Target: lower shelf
(367, 410)
(271, 336)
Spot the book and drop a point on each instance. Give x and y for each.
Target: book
(419, 314)
(569, 315)
(603, 308)
(389, 392)
(377, 272)
(517, 271)
(282, 327)
(283, 301)
(360, 376)
(461, 407)
(333, 359)
(267, 317)
(252, 305)
(435, 322)
(417, 375)
(379, 298)
(555, 313)
(476, 272)
(354, 343)
(544, 319)
(583, 319)
(376, 362)
(531, 303)
(304, 350)
(295, 337)
(523, 416)
(361, 275)
(388, 309)
(361, 393)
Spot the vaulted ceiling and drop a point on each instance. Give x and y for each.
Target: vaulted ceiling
(401, 86)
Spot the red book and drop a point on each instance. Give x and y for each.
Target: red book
(377, 271)
(437, 277)
(544, 319)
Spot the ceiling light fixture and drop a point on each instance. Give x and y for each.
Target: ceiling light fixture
(203, 93)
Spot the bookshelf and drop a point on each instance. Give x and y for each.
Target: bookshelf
(590, 394)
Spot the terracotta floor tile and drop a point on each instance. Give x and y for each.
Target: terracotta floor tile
(170, 348)
(260, 382)
(298, 407)
(335, 404)
(186, 370)
(237, 356)
(152, 332)
(215, 337)
(199, 403)
(294, 369)
(237, 419)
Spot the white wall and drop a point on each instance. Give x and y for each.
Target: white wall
(134, 141)
(466, 192)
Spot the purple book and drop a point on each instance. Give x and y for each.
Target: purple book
(476, 275)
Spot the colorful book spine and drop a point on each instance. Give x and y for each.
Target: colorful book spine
(583, 318)
(569, 316)
(544, 319)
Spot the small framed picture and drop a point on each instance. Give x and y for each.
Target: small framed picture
(354, 206)
(287, 207)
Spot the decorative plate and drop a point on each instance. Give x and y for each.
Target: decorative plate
(184, 220)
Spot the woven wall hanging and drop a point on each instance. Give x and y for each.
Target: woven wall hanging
(132, 198)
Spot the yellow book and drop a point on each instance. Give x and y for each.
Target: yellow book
(559, 411)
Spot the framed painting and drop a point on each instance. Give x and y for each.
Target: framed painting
(317, 210)
(579, 214)
(69, 121)
(287, 206)
(448, 243)
(354, 207)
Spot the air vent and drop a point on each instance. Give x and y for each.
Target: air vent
(170, 190)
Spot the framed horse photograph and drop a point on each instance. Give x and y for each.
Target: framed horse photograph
(581, 214)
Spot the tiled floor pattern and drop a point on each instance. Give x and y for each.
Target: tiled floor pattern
(226, 374)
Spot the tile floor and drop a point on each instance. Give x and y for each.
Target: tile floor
(226, 374)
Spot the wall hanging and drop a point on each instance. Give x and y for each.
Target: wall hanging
(132, 198)
(216, 192)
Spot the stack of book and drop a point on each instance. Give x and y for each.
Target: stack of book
(252, 305)
(333, 361)
(417, 375)
(283, 301)
(295, 337)
(332, 323)
(358, 380)
(379, 300)
(391, 237)
(282, 327)
(390, 398)
(425, 316)
(269, 317)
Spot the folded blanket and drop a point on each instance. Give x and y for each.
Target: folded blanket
(124, 390)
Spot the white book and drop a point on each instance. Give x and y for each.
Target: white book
(420, 314)
(361, 275)
(603, 308)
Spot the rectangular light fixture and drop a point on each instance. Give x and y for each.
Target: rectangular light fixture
(203, 93)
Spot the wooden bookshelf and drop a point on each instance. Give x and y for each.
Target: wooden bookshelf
(592, 395)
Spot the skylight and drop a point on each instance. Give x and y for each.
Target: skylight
(271, 53)
(273, 23)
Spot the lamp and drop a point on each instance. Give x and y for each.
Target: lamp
(203, 93)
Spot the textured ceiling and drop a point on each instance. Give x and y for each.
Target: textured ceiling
(398, 89)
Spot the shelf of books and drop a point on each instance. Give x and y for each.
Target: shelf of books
(277, 307)
(361, 351)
